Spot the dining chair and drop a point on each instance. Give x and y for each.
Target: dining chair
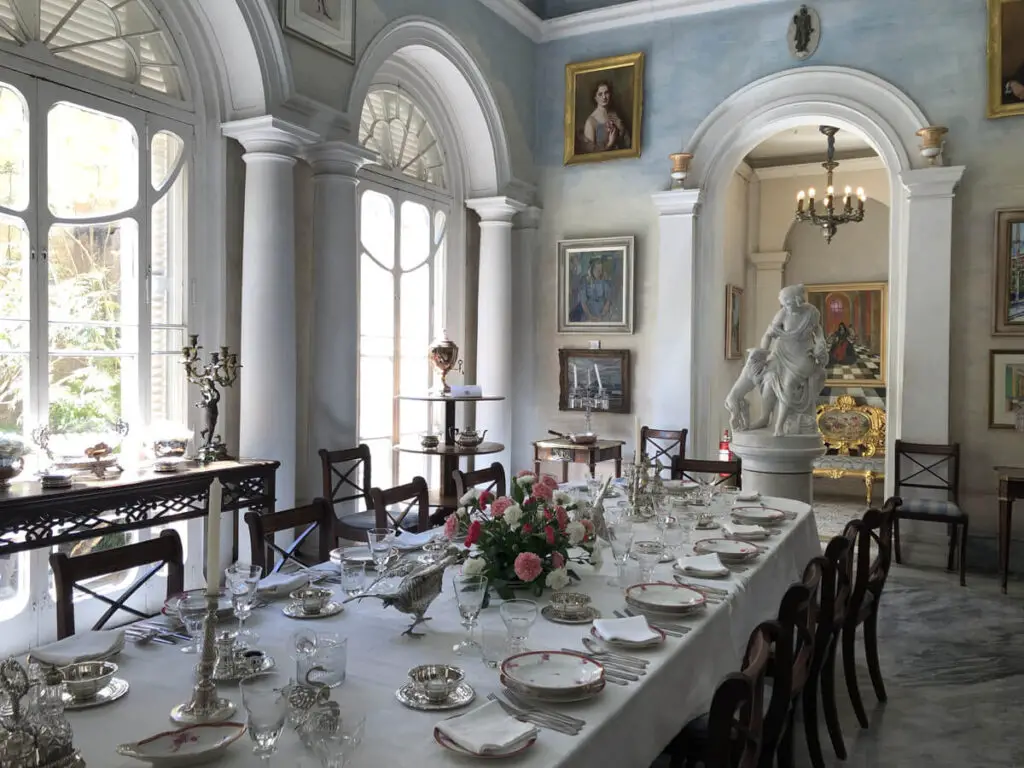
(408, 496)
(730, 735)
(933, 468)
(492, 479)
(317, 516)
(871, 554)
(69, 572)
(663, 444)
(687, 469)
(346, 480)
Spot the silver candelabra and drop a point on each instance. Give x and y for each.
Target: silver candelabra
(205, 706)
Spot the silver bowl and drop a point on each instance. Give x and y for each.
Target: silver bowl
(313, 600)
(436, 681)
(87, 678)
(570, 604)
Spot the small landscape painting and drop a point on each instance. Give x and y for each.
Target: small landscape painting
(853, 316)
(600, 375)
(1009, 299)
(1006, 387)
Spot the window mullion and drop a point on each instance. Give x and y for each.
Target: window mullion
(396, 281)
(40, 325)
(144, 286)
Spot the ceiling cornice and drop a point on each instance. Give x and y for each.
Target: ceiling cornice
(519, 16)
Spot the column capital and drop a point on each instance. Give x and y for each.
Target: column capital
(269, 135)
(938, 181)
(496, 210)
(528, 218)
(769, 261)
(677, 202)
(337, 158)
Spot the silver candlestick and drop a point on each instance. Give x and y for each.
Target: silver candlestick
(205, 706)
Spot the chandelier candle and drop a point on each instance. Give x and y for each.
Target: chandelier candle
(830, 219)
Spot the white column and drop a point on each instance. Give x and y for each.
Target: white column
(769, 279)
(267, 427)
(524, 427)
(673, 389)
(334, 347)
(494, 350)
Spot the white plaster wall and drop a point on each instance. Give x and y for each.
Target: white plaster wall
(858, 253)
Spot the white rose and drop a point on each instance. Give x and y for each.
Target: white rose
(557, 579)
(513, 515)
(472, 496)
(462, 512)
(475, 566)
(576, 532)
(527, 479)
(562, 498)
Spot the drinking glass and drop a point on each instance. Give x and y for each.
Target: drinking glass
(493, 646)
(469, 593)
(243, 579)
(320, 657)
(620, 536)
(672, 538)
(353, 577)
(381, 542)
(263, 697)
(192, 611)
(648, 555)
(519, 616)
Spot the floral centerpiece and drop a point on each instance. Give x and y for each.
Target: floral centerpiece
(523, 540)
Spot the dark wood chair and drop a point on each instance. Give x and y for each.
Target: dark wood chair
(492, 479)
(932, 467)
(407, 497)
(68, 572)
(871, 554)
(731, 734)
(346, 481)
(833, 597)
(317, 516)
(686, 469)
(663, 444)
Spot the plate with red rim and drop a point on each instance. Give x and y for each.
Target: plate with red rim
(552, 671)
(447, 743)
(631, 644)
(662, 597)
(553, 697)
(728, 550)
(758, 515)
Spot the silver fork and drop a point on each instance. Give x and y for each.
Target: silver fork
(146, 636)
(534, 717)
(611, 669)
(527, 706)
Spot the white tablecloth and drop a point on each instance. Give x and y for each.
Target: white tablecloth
(626, 726)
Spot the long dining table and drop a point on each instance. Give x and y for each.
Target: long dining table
(626, 726)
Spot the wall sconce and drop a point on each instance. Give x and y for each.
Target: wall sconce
(680, 167)
(932, 143)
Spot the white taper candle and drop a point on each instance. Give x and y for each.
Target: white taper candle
(213, 539)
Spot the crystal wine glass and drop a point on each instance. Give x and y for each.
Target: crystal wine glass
(266, 704)
(242, 580)
(620, 536)
(469, 593)
(648, 554)
(192, 612)
(381, 543)
(519, 616)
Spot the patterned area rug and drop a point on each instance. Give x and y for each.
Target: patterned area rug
(833, 512)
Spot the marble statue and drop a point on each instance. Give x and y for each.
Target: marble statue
(787, 370)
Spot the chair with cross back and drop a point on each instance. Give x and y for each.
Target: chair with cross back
(664, 445)
(316, 517)
(70, 572)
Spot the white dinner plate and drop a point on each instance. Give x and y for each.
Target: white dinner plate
(758, 515)
(728, 550)
(553, 697)
(661, 597)
(552, 670)
(630, 644)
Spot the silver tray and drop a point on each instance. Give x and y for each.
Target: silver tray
(549, 613)
(266, 664)
(294, 611)
(111, 692)
(410, 697)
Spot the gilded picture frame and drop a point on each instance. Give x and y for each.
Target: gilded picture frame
(733, 322)
(1005, 58)
(595, 285)
(604, 101)
(1009, 272)
(855, 319)
(605, 373)
(1005, 387)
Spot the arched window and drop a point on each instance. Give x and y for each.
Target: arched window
(404, 213)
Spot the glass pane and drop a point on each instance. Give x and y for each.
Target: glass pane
(396, 129)
(109, 582)
(415, 242)
(412, 415)
(168, 386)
(376, 397)
(14, 336)
(440, 267)
(86, 390)
(376, 303)
(381, 457)
(92, 162)
(14, 269)
(165, 153)
(169, 244)
(14, 149)
(87, 337)
(377, 227)
(93, 272)
(13, 392)
(11, 567)
(415, 313)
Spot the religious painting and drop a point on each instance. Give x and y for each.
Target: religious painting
(733, 322)
(595, 285)
(804, 33)
(1006, 387)
(595, 377)
(603, 108)
(328, 24)
(1009, 271)
(854, 319)
(1005, 58)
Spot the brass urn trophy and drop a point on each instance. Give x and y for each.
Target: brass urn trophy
(444, 356)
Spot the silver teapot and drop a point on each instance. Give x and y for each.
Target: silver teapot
(467, 437)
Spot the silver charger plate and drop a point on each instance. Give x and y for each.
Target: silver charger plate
(410, 697)
(294, 611)
(549, 613)
(111, 692)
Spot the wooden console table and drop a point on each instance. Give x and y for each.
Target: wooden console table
(1011, 488)
(566, 452)
(33, 518)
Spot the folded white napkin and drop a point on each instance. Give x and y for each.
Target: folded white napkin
(486, 730)
(407, 541)
(635, 629)
(748, 496)
(735, 529)
(85, 646)
(710, 563)
(278, 584)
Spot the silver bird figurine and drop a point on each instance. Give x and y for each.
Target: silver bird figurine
(417, 590)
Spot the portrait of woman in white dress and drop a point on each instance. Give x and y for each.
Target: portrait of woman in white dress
(603, 108)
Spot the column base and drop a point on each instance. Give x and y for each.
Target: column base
(778, 466)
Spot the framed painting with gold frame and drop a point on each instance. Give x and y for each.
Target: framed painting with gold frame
(854, 317)
(1005, 58)
(604, 101)
(1005, 387)
(733, 322)
(1009, 271)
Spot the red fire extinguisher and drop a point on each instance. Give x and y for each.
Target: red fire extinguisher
(724, 452)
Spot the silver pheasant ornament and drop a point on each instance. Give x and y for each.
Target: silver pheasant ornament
(417, 590)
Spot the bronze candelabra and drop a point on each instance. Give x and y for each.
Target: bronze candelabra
(221, 371)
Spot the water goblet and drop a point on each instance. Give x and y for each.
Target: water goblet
(493, 646)
(620, 536)
(469, 594)
(353, 577)
(381, 543)
(519, 616)
(192, 612)
(672, 537)
(648, 554)
(265, 702)
(242, 581)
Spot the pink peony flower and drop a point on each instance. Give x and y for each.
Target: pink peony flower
(527, 528)
(473, 534)
(527, 566)
(499, 506)
(542, 491)
(557, 561)
(549, 534)
(451, 525)
(549, 481)
(563, 518)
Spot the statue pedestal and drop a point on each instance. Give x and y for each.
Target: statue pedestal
(778, 466)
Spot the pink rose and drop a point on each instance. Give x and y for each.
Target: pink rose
(563, 518)
(473, 534)
(557, 561)
(549, 534)
(451, 525)
(500, 505)
(527, 528)
(485, 498)
(527, 566)
(549, 481)
(542, 491)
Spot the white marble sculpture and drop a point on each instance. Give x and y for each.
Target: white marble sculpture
(788, 370)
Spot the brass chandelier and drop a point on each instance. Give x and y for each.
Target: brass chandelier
(829, 217)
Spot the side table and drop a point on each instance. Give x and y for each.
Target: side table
(566, 452)
(1011, 488)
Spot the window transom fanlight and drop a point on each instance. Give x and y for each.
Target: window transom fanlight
(395, 128)
(120, 38)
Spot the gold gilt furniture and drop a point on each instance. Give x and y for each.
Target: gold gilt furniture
(855, 438)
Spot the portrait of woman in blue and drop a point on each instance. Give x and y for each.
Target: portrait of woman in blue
(595, 296)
